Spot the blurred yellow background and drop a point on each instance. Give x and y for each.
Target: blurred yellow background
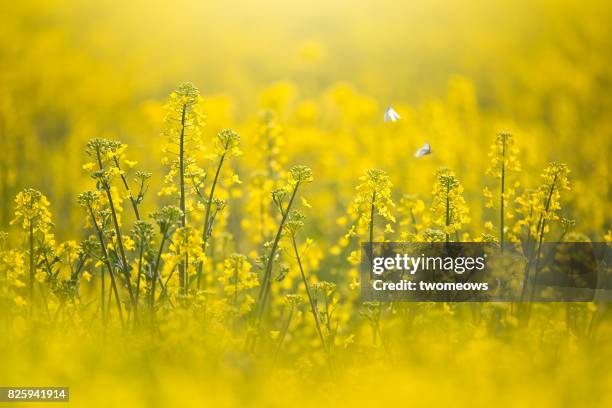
(458, 72)
(72, 70)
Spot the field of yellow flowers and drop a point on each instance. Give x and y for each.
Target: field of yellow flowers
(184, 187)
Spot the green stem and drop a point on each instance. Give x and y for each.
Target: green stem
(156, 268)
(313, 307)
(540, 232)
(164, 292)
(372, 208)
(447, 211)
(414, 222)
(102, 285)
(124, 265)
(127, 188)
(183, 266)
(108, 265)
(501, 197)
(207, 215)
(140, 255)
(31, 288)
(265, 288)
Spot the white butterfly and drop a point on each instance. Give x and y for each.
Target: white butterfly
(423, 151)
(391, 115)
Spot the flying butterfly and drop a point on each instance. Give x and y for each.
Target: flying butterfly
(391, 115)
(423, 151)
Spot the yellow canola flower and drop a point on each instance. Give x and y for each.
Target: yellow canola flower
(19, 301)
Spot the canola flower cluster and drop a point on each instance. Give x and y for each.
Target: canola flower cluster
(173, 277)
(135, 293)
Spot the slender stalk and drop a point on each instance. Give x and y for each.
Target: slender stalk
(43, 294)
(207, 214)
(102, 307)
(109, 267)
(542, 220)
(537, 260)
(156, 268)
(75, 275)
(124, 263)
(140, 255)
(313, 306)
(528, 253)
(501, 197)
(447, 211)
(327, 315)
(164, 292)
(540, 231)
(414, 222)
(127, 188)
(372, 208)
(184, 265)
(109, 299)
(31, 288)
(528, 239)
(265, 288)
